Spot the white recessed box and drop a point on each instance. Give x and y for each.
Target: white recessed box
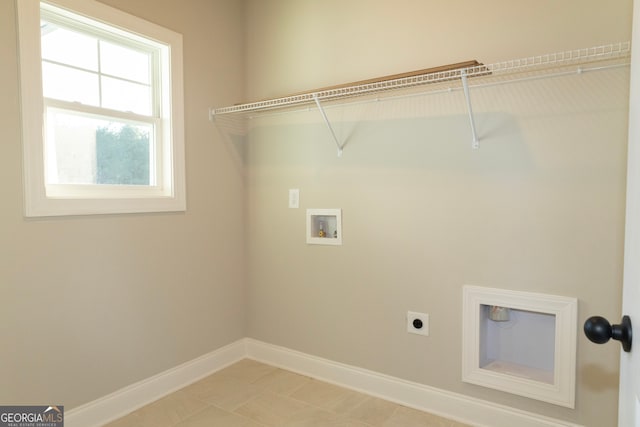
(324, 226)
(520, 342)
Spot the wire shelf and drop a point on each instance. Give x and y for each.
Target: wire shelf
(558, 59)
(549, 61)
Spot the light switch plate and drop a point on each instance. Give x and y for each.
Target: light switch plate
(294, 198)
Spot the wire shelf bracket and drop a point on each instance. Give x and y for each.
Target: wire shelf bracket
(475, 142)
(328, 123)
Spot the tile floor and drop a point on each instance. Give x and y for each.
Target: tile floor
(252, 394)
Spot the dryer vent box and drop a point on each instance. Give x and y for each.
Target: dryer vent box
(520, 342)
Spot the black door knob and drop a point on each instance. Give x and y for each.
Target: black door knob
(599, 330)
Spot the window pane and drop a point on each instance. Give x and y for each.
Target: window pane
(123, 153)
(126, 96)
(68, 47)
(70, 84)
(85, 150)
(125, 63)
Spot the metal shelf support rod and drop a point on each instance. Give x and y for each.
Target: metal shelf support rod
(475, 143)
(326, 120)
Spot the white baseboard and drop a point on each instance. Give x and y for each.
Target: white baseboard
(115, 405)
(455, 406)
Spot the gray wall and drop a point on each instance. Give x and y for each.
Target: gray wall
(92, 304)
(539, 207)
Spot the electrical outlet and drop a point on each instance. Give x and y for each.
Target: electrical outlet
(418, 323)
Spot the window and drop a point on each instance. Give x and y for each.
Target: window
(102, 110)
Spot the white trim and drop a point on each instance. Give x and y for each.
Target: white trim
(451, 405)
(134, 396)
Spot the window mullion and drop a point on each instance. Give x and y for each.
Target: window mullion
(99, 73)
(156, 80)
(73, 67)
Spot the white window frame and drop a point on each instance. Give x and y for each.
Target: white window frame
(169, 194)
